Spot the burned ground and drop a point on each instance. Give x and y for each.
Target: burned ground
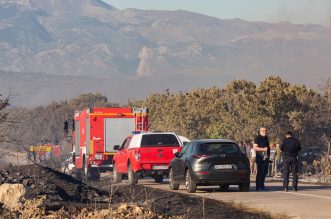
(65, 194)
(58, 188)
(176, 204)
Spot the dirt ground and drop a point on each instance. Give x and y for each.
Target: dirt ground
(14, 157)
(57, 194)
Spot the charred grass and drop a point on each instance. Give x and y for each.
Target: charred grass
(52, 194)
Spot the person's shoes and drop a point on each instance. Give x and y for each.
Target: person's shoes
(295, 189)
(285, 189)
(265, 189)
(259, 190)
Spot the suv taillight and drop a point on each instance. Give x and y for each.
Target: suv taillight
(197, 156)
(137, 156)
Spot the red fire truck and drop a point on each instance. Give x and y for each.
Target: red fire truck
(95, 133)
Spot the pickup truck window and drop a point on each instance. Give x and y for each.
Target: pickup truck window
(159, 140)
(127, 143)
(122, 145)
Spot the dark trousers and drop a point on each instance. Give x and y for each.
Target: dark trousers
(262, 170)
(290, 163)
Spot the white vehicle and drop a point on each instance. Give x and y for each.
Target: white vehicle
(184, 140)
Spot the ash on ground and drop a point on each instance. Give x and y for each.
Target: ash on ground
(49, 192)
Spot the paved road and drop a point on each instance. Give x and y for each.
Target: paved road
(311, 201)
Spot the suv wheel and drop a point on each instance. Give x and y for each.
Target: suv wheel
(132, 176)
(191, 187)
(172, 184)
(117, 177)
(244, 187)
(224, 187)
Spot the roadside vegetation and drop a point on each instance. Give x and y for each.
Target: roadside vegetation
(241, 107)
(235, 111)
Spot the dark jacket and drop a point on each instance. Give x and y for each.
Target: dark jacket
(262, 142)
(290, 147)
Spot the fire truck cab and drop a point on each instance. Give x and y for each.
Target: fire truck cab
(95, 133)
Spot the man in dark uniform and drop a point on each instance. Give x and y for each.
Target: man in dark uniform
(261, 146)
(290, 148)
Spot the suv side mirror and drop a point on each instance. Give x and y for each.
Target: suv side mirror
(177, 154)
(116, 147)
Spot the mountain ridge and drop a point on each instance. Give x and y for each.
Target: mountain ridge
(91, 39)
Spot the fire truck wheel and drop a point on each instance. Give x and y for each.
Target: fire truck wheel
(132, 176)
(117, 177)
(85, 168)
(158, 178)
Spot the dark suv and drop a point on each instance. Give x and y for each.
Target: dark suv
(210, 162)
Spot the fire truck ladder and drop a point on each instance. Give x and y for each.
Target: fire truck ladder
(139, 113)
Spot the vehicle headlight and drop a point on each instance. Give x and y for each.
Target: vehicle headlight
(98, 156)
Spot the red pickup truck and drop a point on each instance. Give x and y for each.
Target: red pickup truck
(145, 154)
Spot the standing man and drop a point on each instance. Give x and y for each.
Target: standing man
(261, 146)
(290, 149)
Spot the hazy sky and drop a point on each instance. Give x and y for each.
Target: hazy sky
(296, 11)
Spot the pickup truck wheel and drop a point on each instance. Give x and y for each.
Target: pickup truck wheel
(191, 186)
(158, 179)
(117, 177)
(244, 187)
(86, 171)
(172, 184)
(132, 176)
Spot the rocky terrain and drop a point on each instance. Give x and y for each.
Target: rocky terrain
(34, 191)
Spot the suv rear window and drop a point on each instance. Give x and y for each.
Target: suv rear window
(219, 148)
(159, 140)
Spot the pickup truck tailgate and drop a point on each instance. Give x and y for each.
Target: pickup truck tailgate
(158, 155)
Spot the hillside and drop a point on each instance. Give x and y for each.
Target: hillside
(99, 48)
